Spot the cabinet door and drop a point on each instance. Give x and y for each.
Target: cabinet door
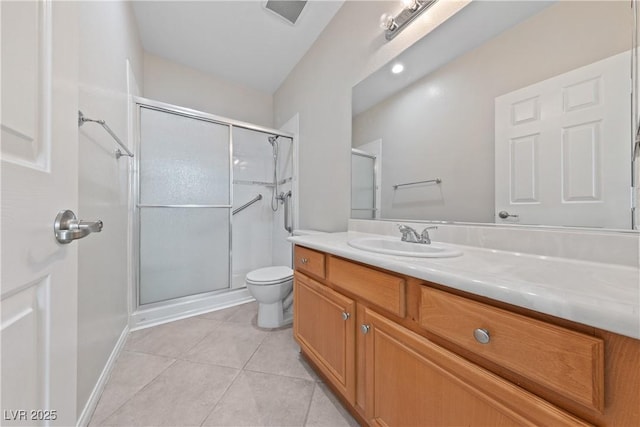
(324, 326)
(410, 381)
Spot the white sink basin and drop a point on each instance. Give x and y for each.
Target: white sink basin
(394, 246)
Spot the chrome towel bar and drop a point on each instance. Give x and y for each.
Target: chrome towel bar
(82, 119)
(437, 181)
(246, 205)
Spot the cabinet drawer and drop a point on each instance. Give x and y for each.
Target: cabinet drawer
(565, 361)
(309, 261)
(384, 290)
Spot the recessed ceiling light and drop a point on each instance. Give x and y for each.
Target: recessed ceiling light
(397, 68)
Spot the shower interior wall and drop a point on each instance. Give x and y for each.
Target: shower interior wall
(258, 236)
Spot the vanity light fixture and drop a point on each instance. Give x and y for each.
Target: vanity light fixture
(393, 25)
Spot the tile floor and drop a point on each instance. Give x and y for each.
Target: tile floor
(217, 369)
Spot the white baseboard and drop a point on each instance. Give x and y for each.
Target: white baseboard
(92, 402)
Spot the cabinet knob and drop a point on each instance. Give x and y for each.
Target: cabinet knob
(304, 260)
(365, 329)
(482, 336)
(345, 315)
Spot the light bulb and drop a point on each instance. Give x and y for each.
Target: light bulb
(387, 22)
(397, 68)
(410, 4)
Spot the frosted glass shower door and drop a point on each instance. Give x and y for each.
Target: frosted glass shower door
(184, 206)
(363, 186)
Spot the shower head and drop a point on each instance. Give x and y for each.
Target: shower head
(273, 138)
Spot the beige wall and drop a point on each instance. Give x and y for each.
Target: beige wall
(108, 37)
(174, 83)
(319, 89)
(443, 125)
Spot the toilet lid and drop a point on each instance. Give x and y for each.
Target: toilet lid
(270, 275)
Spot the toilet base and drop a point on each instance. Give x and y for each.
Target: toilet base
(273, 316)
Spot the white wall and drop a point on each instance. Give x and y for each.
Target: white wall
(450, 133)
(319, 89)
(177, 84)
(108, 37)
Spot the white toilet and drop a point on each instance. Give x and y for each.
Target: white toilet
(272, 287)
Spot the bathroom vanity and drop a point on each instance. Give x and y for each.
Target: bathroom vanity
(399, 349)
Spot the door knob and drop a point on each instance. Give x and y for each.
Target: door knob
(365, 329)
(505, 215)
(67, 228)
(346, 315)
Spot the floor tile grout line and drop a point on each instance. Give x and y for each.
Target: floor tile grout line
(186, 350)
(255, 351)
(138, 391)
(200, 362)
(219, 323)
(279, 375)
(213, 408)
(313, 393)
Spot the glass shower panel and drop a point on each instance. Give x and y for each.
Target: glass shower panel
(183, 160)
(363, 187)
(184, 204)
(183, 251)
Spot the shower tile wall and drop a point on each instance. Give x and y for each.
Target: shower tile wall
(254, 229)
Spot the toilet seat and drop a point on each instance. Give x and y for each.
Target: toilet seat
(269, 276)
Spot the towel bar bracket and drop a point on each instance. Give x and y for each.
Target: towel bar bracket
(82, 119)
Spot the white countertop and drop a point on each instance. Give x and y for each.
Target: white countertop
(605, 296)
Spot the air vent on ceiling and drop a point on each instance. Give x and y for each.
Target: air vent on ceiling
(287, 9)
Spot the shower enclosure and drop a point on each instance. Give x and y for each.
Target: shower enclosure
(206, 207)
(363, 185)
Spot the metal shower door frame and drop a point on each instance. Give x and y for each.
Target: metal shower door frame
(140, 103)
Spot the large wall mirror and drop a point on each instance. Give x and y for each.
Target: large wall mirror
(511, 112)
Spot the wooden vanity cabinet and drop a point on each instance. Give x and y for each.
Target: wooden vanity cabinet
(411, 381)
(324, 326)
(401, 353)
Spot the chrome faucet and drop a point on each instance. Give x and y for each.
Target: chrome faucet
(411, 235)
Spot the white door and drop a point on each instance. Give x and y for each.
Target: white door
(39, 178)
(563, 148)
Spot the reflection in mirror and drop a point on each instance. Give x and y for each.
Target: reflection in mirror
(365, 180)
(520, 108)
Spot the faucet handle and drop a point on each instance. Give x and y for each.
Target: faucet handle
(408, 233)
(424, 236)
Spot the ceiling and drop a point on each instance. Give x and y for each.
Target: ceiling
(240, 41)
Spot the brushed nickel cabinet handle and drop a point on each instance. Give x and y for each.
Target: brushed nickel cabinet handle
(345, 315)
(365, 329)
